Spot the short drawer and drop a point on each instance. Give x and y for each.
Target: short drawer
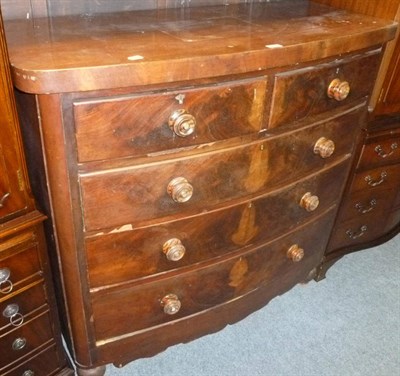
(16, 307)
(302, 93)
(168, 246)
(367, 202)
(19, 342)
(131, 308)
(141, 124)
(381, 178)
(188, 186)
(359, 230)
(47, 362)
(17, 267)
(380, 151)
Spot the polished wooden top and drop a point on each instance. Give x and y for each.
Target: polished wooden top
(100, 51)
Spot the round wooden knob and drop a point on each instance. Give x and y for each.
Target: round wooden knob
(180, 189)
(309, 202)
(324, 147)
(338, 89)
(295, 253)
(171, 304)
(174, 249)
(182, 123)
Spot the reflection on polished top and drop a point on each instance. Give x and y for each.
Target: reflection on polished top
(84, 52)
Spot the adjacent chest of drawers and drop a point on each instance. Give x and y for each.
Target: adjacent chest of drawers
(371, 206)
(30, 339)
(191, 182)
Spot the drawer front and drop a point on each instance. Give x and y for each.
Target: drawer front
(302, 93)
(14, 309)
(368, 202)
(139, 125)
(19, 267)
(124, 310)
(380, 152)
(47, 362)
(151, 250)
(360, 229)
(25, 338)
(381, 178)
(139, 194)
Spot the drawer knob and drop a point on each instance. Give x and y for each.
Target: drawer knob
(295, 253)
(6, 285)
(171, 304)
(309, 202)
(12, 312)
(182, 123)
(324, 147)
(28, 373)
(357, 234)
(338, 89)
(19, 344)
(174, 249)
(180, 189)
(379, 150)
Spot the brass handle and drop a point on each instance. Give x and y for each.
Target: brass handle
(171, 304)
(309, 202)
(324, 147)
(182, 123)
(357, 234)
(174, 249)
(12, 312)
(374, 183)
(6, 285)
(363, 209)
(338, 89)
(295, 253)
(4, 198)
(180, 189)
(19, 344)
(379, 150)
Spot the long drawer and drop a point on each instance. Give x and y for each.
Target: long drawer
(290, 257)
(137, 195)
(167, 246)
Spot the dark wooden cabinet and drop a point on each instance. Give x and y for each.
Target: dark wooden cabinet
(30, 336)
(190, 182)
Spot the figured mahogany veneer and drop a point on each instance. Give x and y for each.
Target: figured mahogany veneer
(195, 159)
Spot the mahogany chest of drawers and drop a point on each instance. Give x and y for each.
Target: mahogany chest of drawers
(195, 159)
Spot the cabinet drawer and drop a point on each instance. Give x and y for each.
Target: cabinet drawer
(139, 194)
(47, 362)
(120, 257)
(381, 178)
(21, 265)
(19, 342)
(22, 303)
(131, 308)
(302, 93)
(359, 230)
(380, 152)
(369, 201)
(138, 125)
